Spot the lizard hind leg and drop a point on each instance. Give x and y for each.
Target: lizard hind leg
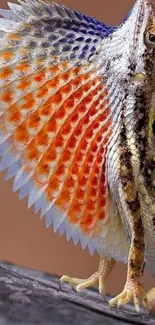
(97, 278)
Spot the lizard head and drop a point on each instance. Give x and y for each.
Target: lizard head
(140, 86)
(141, 45)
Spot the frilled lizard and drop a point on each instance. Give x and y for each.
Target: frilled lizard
(77, 105)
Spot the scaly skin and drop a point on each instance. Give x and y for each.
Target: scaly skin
(77, 100)
(98, 278)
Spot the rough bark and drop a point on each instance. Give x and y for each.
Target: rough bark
(30, 297)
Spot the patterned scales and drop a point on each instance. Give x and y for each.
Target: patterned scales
(56, 120)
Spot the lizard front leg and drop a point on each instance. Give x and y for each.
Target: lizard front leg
(134, 289)
(129, 200)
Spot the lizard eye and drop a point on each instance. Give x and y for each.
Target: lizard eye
(150, 40)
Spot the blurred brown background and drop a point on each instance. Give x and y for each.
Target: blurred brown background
(23, 237)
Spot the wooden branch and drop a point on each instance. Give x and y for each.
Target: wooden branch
(30, 297)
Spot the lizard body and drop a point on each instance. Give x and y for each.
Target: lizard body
(77, 100)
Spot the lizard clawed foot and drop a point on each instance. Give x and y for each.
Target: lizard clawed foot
(81, 284)
(133, 290)
(98, 278)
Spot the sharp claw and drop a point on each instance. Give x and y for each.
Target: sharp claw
(102, 292)
(74, 289)
(60, 284)
(79, 292)
(61, 280)
(66, 279)
(104, 298)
